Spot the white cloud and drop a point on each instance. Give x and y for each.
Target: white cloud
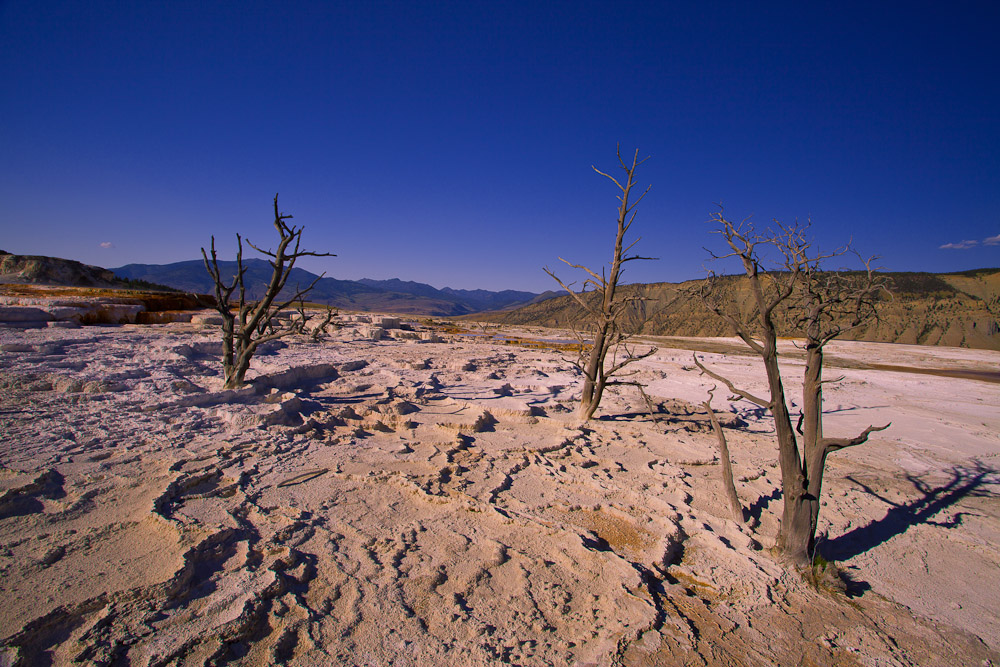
(993, 240)
(961, 245)
(107, 244)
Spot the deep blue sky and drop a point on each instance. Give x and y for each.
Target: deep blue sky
(452, 143)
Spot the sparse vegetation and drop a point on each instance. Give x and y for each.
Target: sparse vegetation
(139, 284)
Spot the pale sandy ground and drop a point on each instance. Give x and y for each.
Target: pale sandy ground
(414, 503)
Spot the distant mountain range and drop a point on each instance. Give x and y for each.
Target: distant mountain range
(393, 296)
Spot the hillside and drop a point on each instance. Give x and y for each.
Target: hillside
(41, 270)
(954, 309)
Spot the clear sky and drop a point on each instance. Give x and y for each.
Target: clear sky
(452, 142)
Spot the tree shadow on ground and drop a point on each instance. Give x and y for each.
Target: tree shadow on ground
(965, 481)
(756, 509)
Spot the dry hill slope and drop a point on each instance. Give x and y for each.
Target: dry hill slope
(959, 310)
(39, 270)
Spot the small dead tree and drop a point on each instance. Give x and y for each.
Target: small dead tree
(822, 303)
(319, 329)
(254, 321)
(604, 307)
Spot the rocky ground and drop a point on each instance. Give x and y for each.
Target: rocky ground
(409, 502)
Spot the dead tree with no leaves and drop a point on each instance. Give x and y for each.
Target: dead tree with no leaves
(319, 329)
(605, 307)
(254, 321)
(829, 303)
(822, 302)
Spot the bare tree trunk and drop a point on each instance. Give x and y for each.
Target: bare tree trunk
(801, 537)
(728, 483)
(811, 427)
(593, 387)
(793, 487)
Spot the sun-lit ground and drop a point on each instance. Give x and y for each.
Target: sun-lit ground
(413, 502)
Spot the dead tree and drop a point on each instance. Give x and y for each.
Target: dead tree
(320, 329)
(760, 332)
(604, 307)
(254, 320)
(821, 305)
(828, 304)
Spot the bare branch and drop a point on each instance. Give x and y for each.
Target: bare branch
(629, 360)
(579, 299)
(293, 255)
(735, 507)
(733, 388)
(599, 280)
(613, 179)
(833, 444)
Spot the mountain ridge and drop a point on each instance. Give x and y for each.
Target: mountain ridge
(394, 295)
(961, 308)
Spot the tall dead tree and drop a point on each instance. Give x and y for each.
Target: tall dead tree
(605, 308)
(829, 303)
(820, 305)
(254, 321)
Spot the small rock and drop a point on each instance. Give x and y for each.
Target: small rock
(16, 347)
(53, 555)
(68, 385)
